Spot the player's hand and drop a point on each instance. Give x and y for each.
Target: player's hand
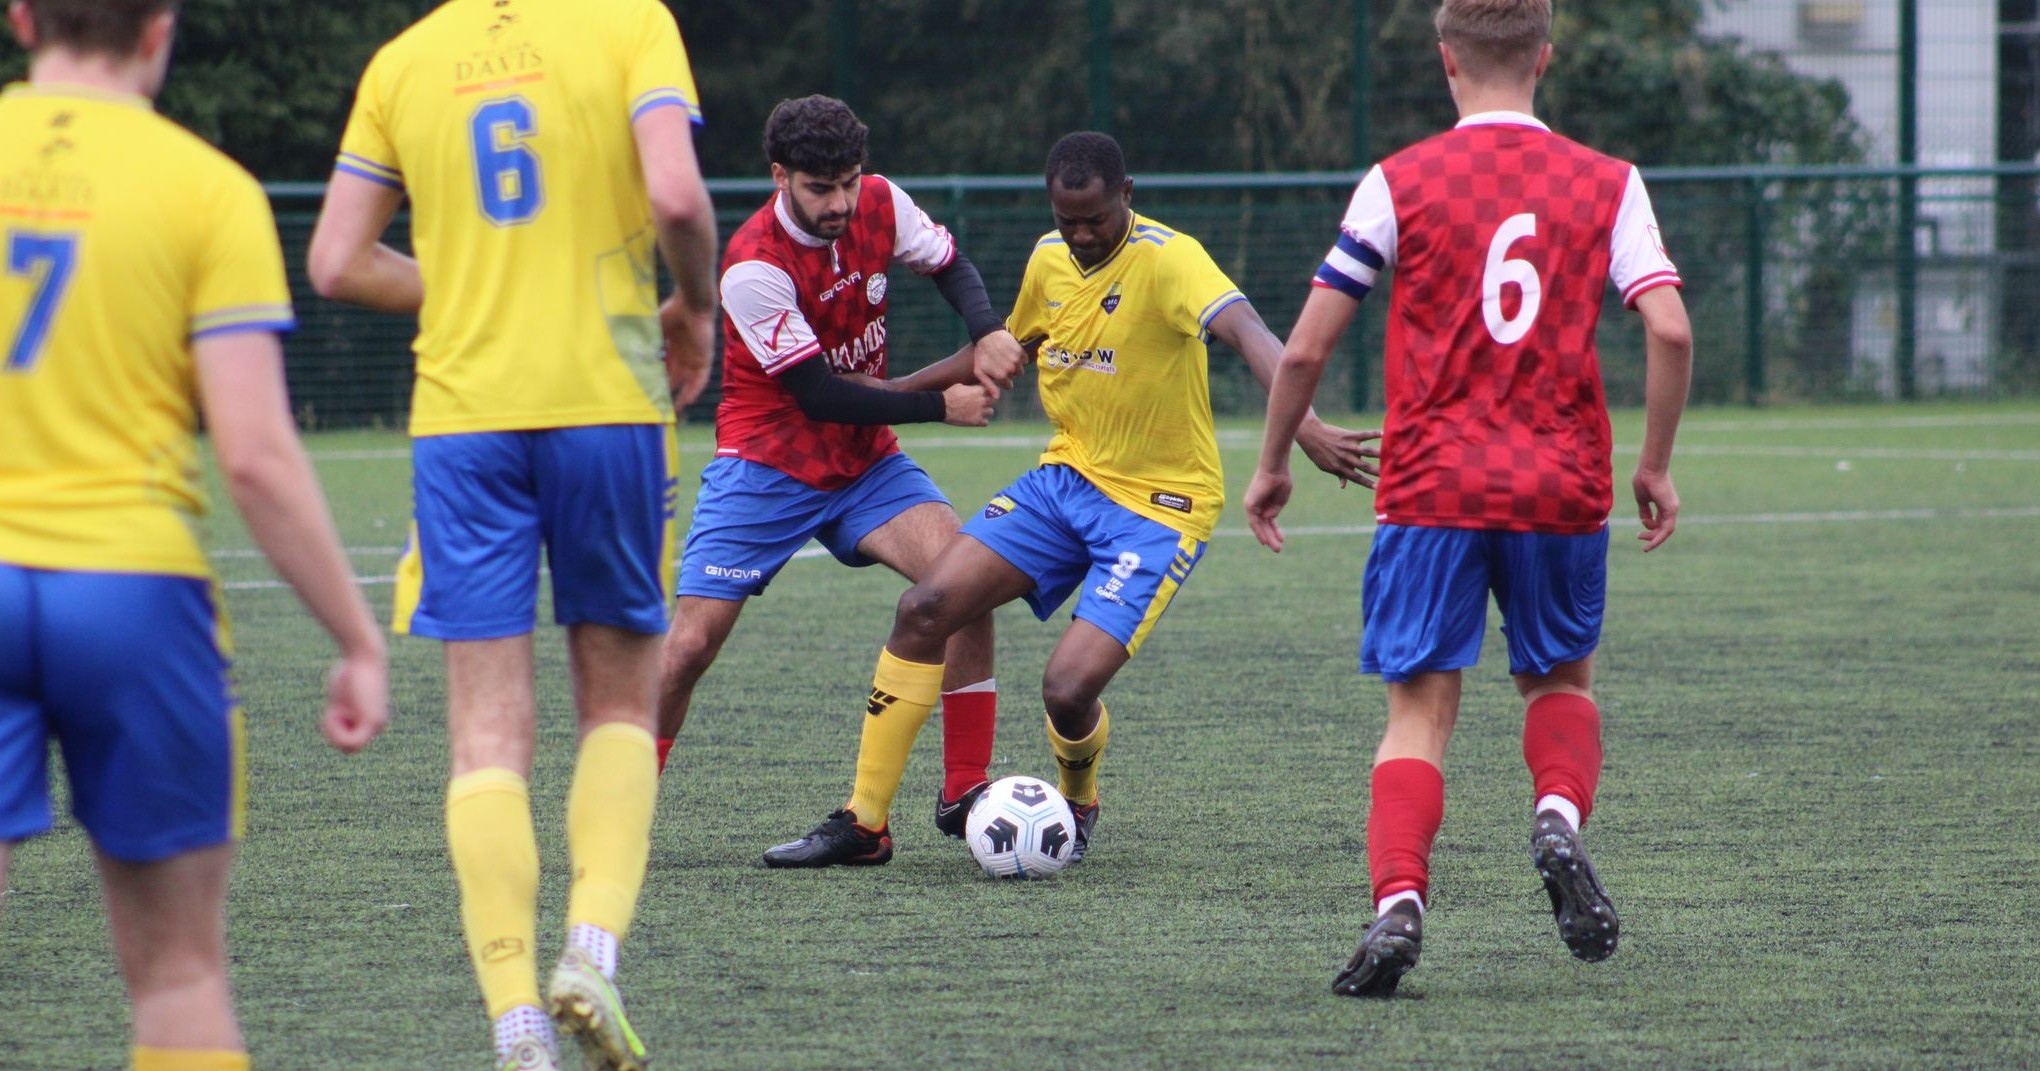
(357, 700)
(1341, 451)
(690, 343)
(967, 405)
(1265, 498)
(1657, 505)
(998, 359)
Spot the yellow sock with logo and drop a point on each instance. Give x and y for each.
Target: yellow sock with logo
(495, 861)
(148, 1058)
(1077, 760)
(609, 825)
(903, 694)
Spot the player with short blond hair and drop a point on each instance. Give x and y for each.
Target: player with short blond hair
(142, 289)
(1496, 454)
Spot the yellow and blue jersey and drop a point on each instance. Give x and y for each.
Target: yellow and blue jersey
(123, 238)
(508, 122)
(1123, 368)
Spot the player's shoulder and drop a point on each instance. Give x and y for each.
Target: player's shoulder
(1584, 153)
(179, 157)
(756, 237)
(1154, 234)
(1049, 251)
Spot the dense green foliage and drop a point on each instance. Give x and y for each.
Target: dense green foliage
(1816, 816)
(972, 86)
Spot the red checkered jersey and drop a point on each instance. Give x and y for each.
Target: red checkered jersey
(1504, 238)
(788, 297)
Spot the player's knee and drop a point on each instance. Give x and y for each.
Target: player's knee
(1067, 701)
(923, 615)
(687, 653)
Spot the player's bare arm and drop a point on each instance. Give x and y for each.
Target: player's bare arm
(958, 367)
(247, 412)
(347, 259)
(1668, 374)
(1339, 451)
(1326, 314)
(685, 220)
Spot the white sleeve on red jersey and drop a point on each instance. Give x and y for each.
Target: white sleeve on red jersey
(1366, 244)
(1637, 259)
(760, 300)
(923, 243)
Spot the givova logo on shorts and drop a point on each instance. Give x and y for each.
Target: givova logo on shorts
(725, 572)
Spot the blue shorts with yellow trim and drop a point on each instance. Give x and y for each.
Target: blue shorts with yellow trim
(598, 501)
(1423, 601)
(1058, 528)
(127, 673)
(750, 519)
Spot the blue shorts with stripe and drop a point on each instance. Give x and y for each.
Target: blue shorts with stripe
(598, 501)
(1058, 528)
(1423, 602)
(750, 519)
(127, 673)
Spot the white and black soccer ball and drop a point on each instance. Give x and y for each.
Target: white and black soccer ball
(1021, 827)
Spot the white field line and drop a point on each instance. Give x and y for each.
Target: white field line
(1235, 437)
(1618, 521)
(1236, 440)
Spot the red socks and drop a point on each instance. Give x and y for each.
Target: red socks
(665, 745)
(1402, 821)
(1562, 747)
(969, 718)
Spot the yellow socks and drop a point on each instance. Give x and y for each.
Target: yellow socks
(903, 694)
(495, 860)
(151, 1059)
(1078, 759)
(609, 825)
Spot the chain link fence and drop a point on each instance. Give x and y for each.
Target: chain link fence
(1796, 279)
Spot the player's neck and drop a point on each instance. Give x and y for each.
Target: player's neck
(57, 66)
(1474, 98)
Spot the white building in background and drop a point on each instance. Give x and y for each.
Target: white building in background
(1856, 43)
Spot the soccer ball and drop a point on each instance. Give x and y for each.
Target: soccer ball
(1021, 827)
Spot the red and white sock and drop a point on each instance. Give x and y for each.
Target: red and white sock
(1407, 807)
(1562, 747)
(970, 717)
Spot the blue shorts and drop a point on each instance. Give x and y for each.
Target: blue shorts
(128, 674)
(750, 519)
(1423, 603)
(1058, 528)
(599, 500)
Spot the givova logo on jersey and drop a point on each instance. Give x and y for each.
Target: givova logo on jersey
(1124, 570)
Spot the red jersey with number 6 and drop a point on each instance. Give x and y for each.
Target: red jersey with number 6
(1503, 238)
(789, 297)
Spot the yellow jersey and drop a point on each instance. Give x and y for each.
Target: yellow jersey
(1123, 369)
(509, 124)
(123, 238)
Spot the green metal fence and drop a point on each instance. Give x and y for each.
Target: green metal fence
(1796, 278)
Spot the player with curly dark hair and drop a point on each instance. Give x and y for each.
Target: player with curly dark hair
(816, 134)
